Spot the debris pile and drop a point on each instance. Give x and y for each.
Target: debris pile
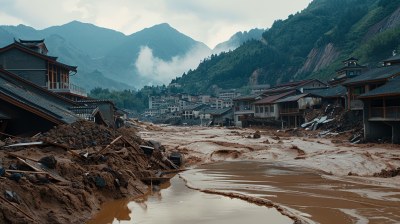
(388, 173)
(64, 175)
(333, 121)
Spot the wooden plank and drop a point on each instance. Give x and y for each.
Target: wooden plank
(30, 217)
(41, 168)
(20, 156)
(24, 144)
(159, 163)
(102, 151)
(26, 171)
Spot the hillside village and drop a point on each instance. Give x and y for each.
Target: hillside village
(371, 95)
(64, 153)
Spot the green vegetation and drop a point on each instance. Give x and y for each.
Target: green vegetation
(126, 99)
(359, 28)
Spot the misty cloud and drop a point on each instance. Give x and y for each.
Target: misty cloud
(163, 71)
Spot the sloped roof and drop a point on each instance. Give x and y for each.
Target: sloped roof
(375, 74)
(350, 59)
(216, 111)
(336, 91)
(393, 58)
(391, 88)
(247, 97)
(43, 56)
(37, 100)
(292, 98)
(273, 98)
(193, 107)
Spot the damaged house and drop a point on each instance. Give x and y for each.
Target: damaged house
(27, 109)
(36, 93)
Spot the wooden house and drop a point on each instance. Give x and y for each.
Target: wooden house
(366, 82)
(29, 60)
(28, 109)
(350, 70)
(267, 108)
(243, 108)
(291, 108)
(382, 112)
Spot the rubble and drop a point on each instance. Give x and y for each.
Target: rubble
(388, 173)
(333, 121)
(64, 175)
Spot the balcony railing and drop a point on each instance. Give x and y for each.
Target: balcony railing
(388, 113)
(62, 87)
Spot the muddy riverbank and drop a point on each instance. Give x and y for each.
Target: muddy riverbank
(343, 189)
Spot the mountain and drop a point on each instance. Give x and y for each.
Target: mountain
(93, 40)
(309, 44)
(238, 39)
(165, 43)
(106, 55)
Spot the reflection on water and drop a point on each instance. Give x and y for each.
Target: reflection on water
(322, 199)
(181, 205)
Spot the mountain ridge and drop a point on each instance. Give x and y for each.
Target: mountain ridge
(309, 44)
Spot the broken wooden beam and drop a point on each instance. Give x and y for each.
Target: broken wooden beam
(16, 207)
(97, 154)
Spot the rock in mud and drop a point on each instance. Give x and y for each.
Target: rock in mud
(49, 161)
(257, 134)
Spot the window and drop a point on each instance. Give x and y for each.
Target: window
(257, 109)
(261, 109)
(272, 109)
(266, 109)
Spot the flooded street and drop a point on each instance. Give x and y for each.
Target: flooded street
(318, 197)
(179, 205)
(306, 193)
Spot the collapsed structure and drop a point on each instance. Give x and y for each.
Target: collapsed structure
(36, 92)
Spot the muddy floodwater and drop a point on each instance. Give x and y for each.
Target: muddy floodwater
(314, 196)
(177, 204)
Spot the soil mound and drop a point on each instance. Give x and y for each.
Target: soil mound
(87, 164)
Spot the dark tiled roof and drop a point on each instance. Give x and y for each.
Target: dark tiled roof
(94, 101)
(336, 91)
(391, 88)
(393, 58)
(45, 57)
(376, 74)
(247, 97)
(273, 98)
(36, 98)
(292, 98)
(32, 41)
(216, 111)
(351, 59)
(193, 107)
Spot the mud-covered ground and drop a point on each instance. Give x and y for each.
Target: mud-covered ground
(87, 164)
(336, 156)
(350, 169)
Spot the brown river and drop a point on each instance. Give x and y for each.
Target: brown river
(311, 195)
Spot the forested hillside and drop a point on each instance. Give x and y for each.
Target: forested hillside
(311, 43)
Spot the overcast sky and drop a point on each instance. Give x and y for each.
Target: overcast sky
(209, 21)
